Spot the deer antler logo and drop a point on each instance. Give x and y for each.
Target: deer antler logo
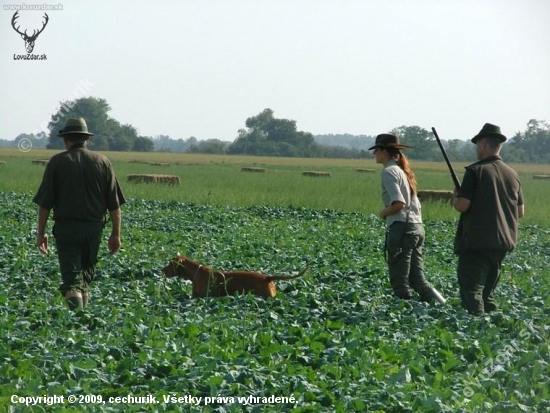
(29, 40)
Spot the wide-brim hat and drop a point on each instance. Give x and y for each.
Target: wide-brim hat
(77, 126)
(490, 131)
(388, 140)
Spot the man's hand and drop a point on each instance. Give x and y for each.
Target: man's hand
(461, 204)
(114, 244)
(42, 237)
(42, 243)
(116, 222)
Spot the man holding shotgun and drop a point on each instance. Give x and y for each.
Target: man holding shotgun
(490, 202)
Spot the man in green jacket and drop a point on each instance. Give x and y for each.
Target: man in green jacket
(490, 201)
(80, 186)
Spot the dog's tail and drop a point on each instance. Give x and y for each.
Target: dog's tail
(286, 277)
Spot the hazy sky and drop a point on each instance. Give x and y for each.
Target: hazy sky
(201, 67)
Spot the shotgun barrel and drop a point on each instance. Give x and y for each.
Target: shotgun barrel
(451, 170)
(437, 295)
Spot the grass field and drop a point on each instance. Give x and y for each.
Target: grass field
(333, 341)
(218, 180)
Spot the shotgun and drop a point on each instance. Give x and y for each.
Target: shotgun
(437, 295)
(451, 170)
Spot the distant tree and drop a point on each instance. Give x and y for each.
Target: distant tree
(121, 137)
(35, 142)
(94, 110)
(452, 148)
(109, 133)
(532, 145)
(458, 151)
(251, 142)
(426, 147)
(191, 141)
(513, 154)
(346, 141)
(98, 143)
(467, 152)
(266, 135)
(143, 144)
(212, 146)
(164, 143)
(261, 120)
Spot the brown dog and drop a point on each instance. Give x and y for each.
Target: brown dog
(215, 283)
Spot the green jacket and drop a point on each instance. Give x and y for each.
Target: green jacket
(79, 184)
(491, 222)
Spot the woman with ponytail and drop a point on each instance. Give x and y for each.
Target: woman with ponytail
(403, 215)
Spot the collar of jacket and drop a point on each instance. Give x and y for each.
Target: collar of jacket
(489, 159)
(77, 145)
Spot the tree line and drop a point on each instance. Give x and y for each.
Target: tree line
(110, 134)
(266, 135)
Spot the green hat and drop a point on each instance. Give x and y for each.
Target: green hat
(489, 131)
(75, 126)
(388, 140)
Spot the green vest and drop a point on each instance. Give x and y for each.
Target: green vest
(79, 184)
(491, 222)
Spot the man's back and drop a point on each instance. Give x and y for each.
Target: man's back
(78, 184)
(490, 223)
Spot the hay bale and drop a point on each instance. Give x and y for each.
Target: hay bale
(316, 173)
(430, 195)
(541, 176)
(367, 171)
(251, 169)
(154, 179)
(40, 161)
(168, 179)
(2, 163)
(140, 178)
(159, 163)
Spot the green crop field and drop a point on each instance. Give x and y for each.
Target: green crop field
(333, 341)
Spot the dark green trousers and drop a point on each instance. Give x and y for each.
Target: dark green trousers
(77, 245)
(404, 245)
(478, 274)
